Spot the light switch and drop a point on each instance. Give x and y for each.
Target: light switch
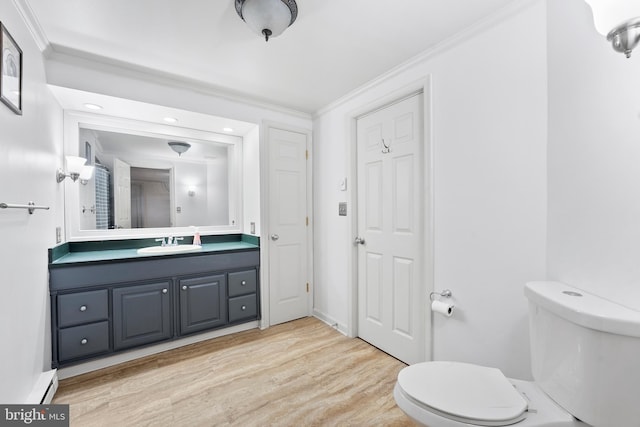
(342, 209)
(343, 185)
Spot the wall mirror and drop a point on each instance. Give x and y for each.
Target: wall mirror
(142, 187)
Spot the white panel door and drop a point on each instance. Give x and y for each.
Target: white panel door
(391, 292)
(122, 194)
(288, 293)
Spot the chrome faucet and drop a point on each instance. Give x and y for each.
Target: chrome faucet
(170, 241)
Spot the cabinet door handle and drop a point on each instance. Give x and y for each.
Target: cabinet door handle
(244, 282)
(164, 291)
(83, 308)
(243, 308)
(84, 341)
(184, 287)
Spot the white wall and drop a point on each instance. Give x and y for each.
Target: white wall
(594, 158)
(30, 153)
(251, 179)
(489, 155)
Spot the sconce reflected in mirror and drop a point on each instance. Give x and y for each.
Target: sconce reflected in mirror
(619, 22)
(76, 169)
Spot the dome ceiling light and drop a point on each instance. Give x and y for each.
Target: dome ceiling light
(267, 17)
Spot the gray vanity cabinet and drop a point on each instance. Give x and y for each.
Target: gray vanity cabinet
(203, 303)
(141, 314)
(104, 307)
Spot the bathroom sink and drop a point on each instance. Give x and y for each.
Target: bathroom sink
(166, 250)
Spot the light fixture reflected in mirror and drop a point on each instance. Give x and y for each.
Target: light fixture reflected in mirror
(179, 147)
(619, 22)
(76, 168)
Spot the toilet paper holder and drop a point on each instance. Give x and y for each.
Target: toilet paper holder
(444, 294)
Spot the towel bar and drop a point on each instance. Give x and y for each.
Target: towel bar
(30, 206)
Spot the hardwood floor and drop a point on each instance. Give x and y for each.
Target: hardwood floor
(302, 373)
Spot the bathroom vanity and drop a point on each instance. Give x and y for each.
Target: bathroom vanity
(107, 298)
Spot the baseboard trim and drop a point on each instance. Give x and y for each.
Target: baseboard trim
(44, 389)
(340, 327)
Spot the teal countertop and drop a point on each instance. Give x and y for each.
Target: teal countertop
(105, 251)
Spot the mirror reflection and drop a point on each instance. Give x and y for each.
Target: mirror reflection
(143, 181)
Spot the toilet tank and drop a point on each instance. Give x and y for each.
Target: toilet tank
(585, 353)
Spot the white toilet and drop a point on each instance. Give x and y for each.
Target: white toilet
(585, 355)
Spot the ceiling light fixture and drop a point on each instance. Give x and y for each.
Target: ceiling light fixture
(227, 129)
(170, 120)
(179, 147)
(267, 17)
(619, 21)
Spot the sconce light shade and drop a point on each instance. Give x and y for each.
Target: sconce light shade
(619, 21)
(268, 18)
(179, 147)
(75, 167)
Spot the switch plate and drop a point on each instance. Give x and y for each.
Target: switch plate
(342, 209)
(178, 209)
(58, 234)
(343, 185)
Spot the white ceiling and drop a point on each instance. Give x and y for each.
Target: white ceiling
(334, 47)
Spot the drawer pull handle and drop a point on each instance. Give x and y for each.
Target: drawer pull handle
(244, 282)
(184, 287)
(84, 341)
(244, 307)
(83, 308)
(164, 291)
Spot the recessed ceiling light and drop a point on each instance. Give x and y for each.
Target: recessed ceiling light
(227, 129)
(92, 106)
(171, 120)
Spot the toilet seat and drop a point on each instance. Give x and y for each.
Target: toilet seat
(463, 392)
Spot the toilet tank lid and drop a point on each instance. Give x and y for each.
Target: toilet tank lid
(583, 308)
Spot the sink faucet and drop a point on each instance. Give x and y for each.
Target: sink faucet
(170, 241)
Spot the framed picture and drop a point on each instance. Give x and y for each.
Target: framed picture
(10, 71)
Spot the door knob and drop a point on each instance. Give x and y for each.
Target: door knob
(358, 241)
(274, 237)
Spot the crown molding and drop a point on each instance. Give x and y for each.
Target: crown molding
(30, 20)
(470, 32)
(89, 61)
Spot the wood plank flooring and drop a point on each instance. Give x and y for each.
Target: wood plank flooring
(301, 373)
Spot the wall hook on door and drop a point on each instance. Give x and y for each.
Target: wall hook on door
(386, 148)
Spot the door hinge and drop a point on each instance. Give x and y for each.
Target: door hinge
(306, 154)
(307, 221)
(307, 288)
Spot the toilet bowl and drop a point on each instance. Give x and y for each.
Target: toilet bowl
(454, 394)
(583, 359)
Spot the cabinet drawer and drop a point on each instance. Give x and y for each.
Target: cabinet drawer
(83, 340)
(243, 307)
(82, 307)
(242, 282)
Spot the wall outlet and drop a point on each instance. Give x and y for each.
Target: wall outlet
(342, 209)
(58, 234)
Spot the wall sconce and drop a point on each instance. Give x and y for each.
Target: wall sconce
(619, 21)
(76, 168)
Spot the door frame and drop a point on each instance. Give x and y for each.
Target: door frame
(423, 85)
(265, 231)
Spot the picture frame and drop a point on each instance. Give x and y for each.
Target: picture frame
(10, 71)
